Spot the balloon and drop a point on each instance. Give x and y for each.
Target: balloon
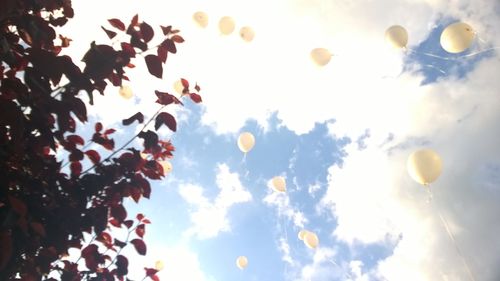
(178, 87)
(159, 265)
(302, 233)
(457, 37)
(125, 92)
(396, 36)
(226, 25)
(241, 262)
(424, 166)
(311, 240)
(167, 167)
(279, 184)
(247, 33)
(321, 56)
(201, 19)
(246, 141)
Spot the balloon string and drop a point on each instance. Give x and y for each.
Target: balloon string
(429, 193)
(454, 241)
(453, 58)
(346, 273)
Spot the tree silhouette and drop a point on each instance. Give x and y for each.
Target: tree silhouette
(47, 207)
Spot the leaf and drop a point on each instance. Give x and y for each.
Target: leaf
(135, 194)
(177, 39)
(150, 139)
(18, 206)
(139, 117)
(165, 98)
(119, 243)
(75, 139)
(76, 169)
(111, 34)
(195, 97)
(38, 228)
(128, 223)
(105, 238)
(139, 217)
(166, 29)
(116, 23)
(184, 83)
(135, 20)
(146, 31)
(140, 230)
(167, 119)
(109, 131)
(76, 155)
(154, 65)
(98, 127)
(150, 271)
(170, 45)
(162, 53)
(146, 221)
(121, 265)
(197, 88)
(139, 246)
(128, 49)
(94, 156)
(119, 213)
(155, 278)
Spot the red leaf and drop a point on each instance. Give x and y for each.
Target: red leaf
(185, 83)
(128, 223)
(170, 45)
(114, 222)
(150, 271)
(135, 194)
(162, 53)
(167, 119)
(128, 49)
(139, 246)
(146, 221)
(165, 98)
(76, 168)
(90, 254)
(93, 156)
(6, 246)
(135, 20)
(146, 31)
(121, 265)
(139, 217)
(136, 117)
(119, 213)
(154, 65)
(197, 88)
(166, 29)
(18, 206)
(105, 238)
(116, 23)
(140, 230)
(38, 228)
(120, 244)
(75, 139)
(155, 278)
(111, 34)
(177, 39)
(195, 97)
(109, 131)
(98, 127)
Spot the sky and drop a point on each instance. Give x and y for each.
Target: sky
(340, 135)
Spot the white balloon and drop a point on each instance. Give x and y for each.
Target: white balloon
(311, 240)
(457, 37)
(301, 234)
(247, 33)
(178, 87)
(126, 92)
(241, 262)
(396, 36)
(321, 56)
(279, 184)
(159, 265)
(201, 18)
(226, 25)
(167, 167)
(424, 166)
(246, 141)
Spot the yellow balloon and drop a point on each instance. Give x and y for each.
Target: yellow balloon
(159, 265)
(201, 18)
(279, 184)
(321, 56)
(246, 141)
(247, 33)
(125, 92)
(424, 166)
(178, 86)
(241, 262)
(457, 37)
(226, 25)
(396, 36)
(167, 167)
(311, 240)
(301, 234)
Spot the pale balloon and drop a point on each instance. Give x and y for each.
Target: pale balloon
(311, 240)
(424, 166)
(246, 141)
(226, 25)
(125, 92)
(178, 87)
(279, 184)
(301, 234)
(167, 167)
(159, 265)
(241, 262)
(396, 36)
(247, 33)
(457, 37)
(201, 19)
(321, 56)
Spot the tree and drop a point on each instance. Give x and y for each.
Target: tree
(46, 208)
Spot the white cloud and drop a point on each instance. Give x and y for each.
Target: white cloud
(281, 202)
(210, 217)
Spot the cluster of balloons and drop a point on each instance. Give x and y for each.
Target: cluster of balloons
(226, 26)
(455, 38)
(310, 239)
